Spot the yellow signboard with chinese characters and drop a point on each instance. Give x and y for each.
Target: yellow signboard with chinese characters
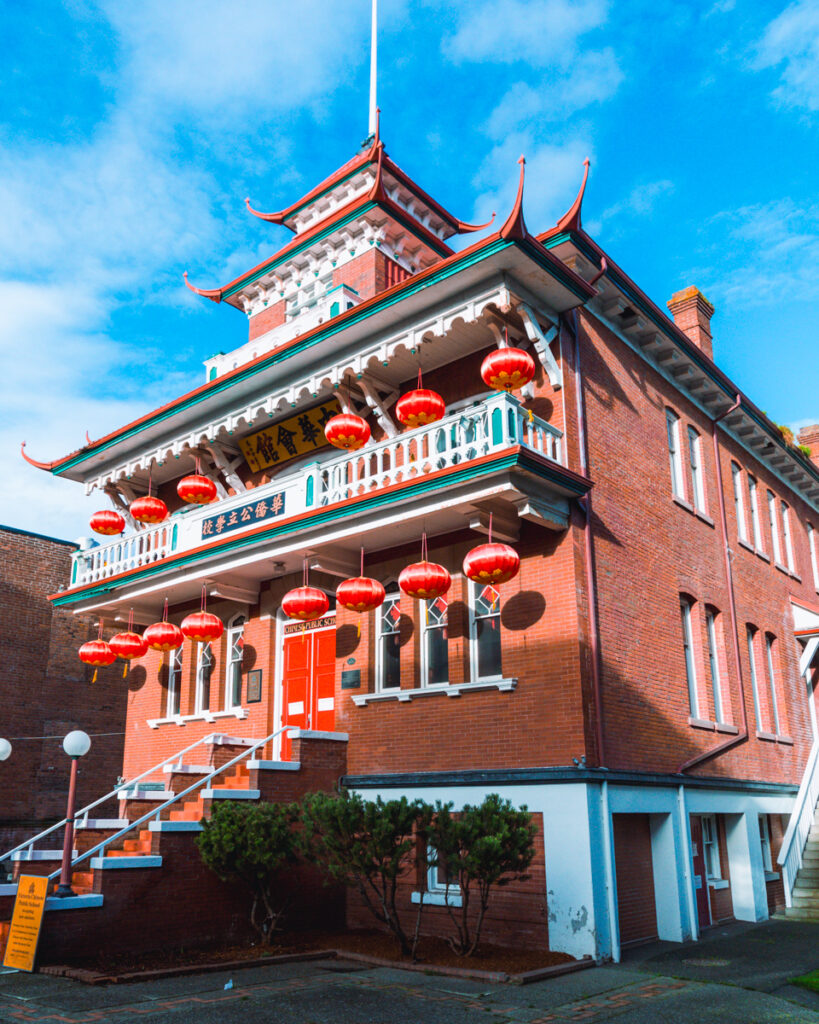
(26, 921)
(289, 439)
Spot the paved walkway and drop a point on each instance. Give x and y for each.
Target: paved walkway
(738, 974)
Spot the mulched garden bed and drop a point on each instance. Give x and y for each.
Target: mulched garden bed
(432, 953)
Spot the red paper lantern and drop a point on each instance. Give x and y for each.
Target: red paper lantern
(196, 489)
(424, 580)
(507, 369)
(360, 594)
(347, 431)
(128, 645)
(163, 636)
(97, 652)
(149, 509)
(419, 407)
(491, 563)
(107, 522)
(305, 603)
(203, 627)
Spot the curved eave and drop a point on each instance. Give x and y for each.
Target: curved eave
(574, 289)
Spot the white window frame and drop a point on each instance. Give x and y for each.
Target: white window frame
(235, 631)
(697, 475)
(813, 561)
(438, 893)
(710, 848)
(751, 635)
(739, 502)
(713, 661)
(173, 698)
(427, 628)
(204, 660)
(769, 642)
(765, 842)
(786, 532)
(753, 491)
(772, 518)
(474, 619)
(688, 654)
(672, 423)
(392, 595)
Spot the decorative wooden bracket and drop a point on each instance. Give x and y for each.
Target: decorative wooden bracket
(377, 404)
(541, 343)
(225, 467)
(117, 500)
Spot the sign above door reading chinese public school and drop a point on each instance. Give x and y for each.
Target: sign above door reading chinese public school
(289, 439)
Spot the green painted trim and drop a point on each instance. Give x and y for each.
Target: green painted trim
(347, 319)
(520, 458)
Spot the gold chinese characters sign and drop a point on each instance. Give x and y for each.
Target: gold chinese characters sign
(289, 439)
(26, 921)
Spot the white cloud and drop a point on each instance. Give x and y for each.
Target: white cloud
(640, 202)
(791, 44)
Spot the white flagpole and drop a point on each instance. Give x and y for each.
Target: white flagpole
(373, 66)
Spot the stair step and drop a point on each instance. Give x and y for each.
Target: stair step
(808, 900)
(802, 914)
(85, 879)
(223, 793)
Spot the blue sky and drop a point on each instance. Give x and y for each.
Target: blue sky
(131, 133)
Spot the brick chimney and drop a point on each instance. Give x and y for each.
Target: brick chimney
(692, 313)
(809, 436)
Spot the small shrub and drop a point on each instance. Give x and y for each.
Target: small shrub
(251, 845)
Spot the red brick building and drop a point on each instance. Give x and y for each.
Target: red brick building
(645, 684)
(45, 692)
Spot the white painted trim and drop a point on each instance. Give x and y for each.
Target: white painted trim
(174, 826)
(188, 769)
(32, 855)
(273, 766)
(8, 889)
(230, 794)
(120, 863)
(449, 689)
(438, 899)
(89, 899)
(115, 823)
(157, 795)
(317, 734)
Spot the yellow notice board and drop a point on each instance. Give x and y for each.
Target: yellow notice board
(26, 921)
(288, 439)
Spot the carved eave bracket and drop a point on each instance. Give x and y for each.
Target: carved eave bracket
(541, 342)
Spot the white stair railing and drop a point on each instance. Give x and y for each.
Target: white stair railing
(82, 815)
(155, 814)
(800, 824)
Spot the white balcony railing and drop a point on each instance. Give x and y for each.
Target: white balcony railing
(470, 433)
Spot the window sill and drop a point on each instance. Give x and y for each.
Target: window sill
(694, 511)
(704, 723)
(438, 899)
(718, 883)
(505, 685)
(773, 738)
(732, 730)
(783, 568)
(202, 716)
(771, 876)
(682, 503)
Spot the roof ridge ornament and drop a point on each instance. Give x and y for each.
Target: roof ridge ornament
(464, 229)
(214, 294)
(277, 217)
(34, 462)
(571, 218)
(514, 225)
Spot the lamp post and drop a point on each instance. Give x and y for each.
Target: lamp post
(5, 749)
(76, 744)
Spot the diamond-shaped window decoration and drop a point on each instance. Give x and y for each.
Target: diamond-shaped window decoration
(436, 612)
(390, 614)
(487, 602)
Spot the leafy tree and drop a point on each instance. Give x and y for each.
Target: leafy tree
(490, 844)
(368, 845)
(252, 845)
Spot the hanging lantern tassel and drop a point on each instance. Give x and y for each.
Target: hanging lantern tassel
(94, 677)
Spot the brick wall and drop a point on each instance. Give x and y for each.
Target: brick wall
(45, 690)
(270, 317)
(370, 273)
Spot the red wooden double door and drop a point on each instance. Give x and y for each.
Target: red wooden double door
(308, 678)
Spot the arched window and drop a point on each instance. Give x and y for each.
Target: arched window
(713, 630)
(233, 664)
(686, 606)
(770, 662)
(672, 423)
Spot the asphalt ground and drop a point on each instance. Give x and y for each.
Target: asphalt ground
(739, 974)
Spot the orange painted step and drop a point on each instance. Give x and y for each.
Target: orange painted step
(82, 880)
(137, 845)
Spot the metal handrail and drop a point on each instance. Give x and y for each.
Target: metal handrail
(82, 815)
(801, 821)
(156, 812)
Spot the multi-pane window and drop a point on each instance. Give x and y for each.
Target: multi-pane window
(173, 699)
(710, 847)
(204, 669)
(751, 637)
(753, 490)
(765, 842)
(697, 476)
(813, 562)
(434, 650)
(688, 649)
(441, 879)
(485, 632)
(769, 658)
(739, 502)
(672, 421)
(235, 654)
(786, 531)
(777, 547)
(713, 661)
(388, 641)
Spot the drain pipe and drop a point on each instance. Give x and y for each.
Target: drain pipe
(729, 577)
(586, 504)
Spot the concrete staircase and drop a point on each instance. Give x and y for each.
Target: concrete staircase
(806, 889)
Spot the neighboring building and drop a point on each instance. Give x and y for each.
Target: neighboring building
(645, 684)
(46, 691)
